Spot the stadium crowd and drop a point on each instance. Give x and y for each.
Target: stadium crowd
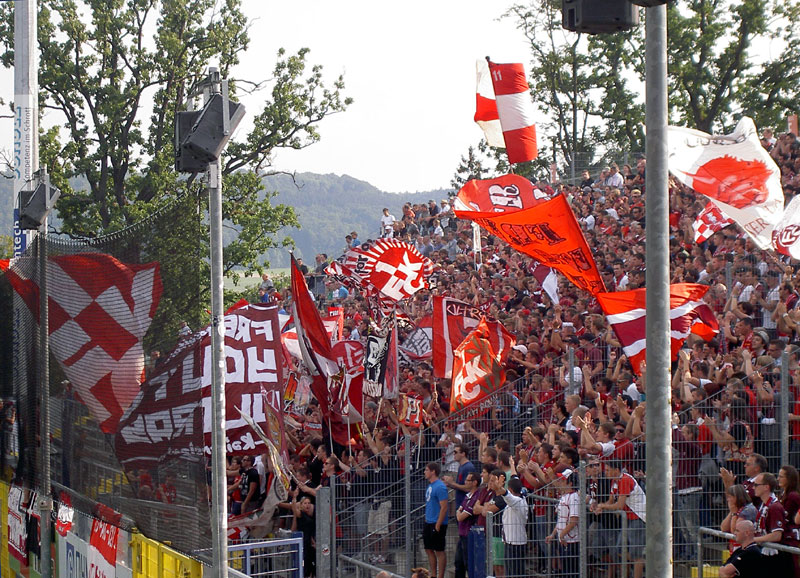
(554, 419)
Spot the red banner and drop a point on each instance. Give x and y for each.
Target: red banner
(478, 369)
(410, 412)
(504, 194)
(165, 418)
(550, 234)
(103, 550)
(452, 322)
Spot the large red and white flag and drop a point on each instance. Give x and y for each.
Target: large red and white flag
(171, 415)
(514, 110)
(99, 312)
(735, 172)
(709, 221)
(688, 313)
(453, 320)
(786, 236)
(547, 230)
(486, 106)
(504, 194)
(478, 368)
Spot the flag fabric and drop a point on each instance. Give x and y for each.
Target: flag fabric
(508, 103)
(548, 232)
(486, 106)
(786, 235)
(709, 221)
(478, 368)
(102, 555)
(289, 337)
(171, 415)
(410, 411)
(375, 362)
(548, 280)
(4, 263)
(348, 402)
(625, 311)
(417, 344)
(99, 312)
(391, 384)
(503, 194)
(735, 172)
(453, 320)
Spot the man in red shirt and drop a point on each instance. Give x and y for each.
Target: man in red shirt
(626, 495)
(770, 523)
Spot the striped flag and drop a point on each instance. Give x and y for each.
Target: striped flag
(546, 277)
(688, 313)
(709, 221)
(508, 104)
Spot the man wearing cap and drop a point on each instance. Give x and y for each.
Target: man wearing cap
(566, 530)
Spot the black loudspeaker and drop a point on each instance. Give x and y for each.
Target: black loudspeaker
(598, 16)
(200, 135)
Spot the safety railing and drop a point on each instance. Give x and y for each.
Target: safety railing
(279, 557)
(701, 567)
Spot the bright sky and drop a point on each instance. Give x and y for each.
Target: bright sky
(410, 67)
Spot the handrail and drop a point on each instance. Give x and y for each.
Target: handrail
(728, 536)
(369, 567)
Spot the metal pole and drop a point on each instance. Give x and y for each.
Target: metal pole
(45, 501)
(26, 108)
(324, 525)
(406, 571)
(729, 278)
(584, 530)
(784, 407)
(571, 368)
(333, 527)
(219, 524)
(659, 433)
(489, 548)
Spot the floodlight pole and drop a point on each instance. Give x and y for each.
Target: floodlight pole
(219, 513)
(659, 428)
(45, 500)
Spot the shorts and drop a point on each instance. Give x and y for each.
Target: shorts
(378, 518)
(498, 551)
(636, 539)
(432, 539)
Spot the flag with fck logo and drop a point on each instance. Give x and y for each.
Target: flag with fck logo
(103, 550)
(478, 368)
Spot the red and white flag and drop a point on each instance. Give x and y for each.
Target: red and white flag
(735, 172)
(171, 415)
(514, 110)
(486, 106)
(99, 312)
(410, 412)
(478, 367)
(102, 556)
(548, 280)
(625, 311)
(504, 194)
(4, 263)
(452, 322)
(709, 221)
(786, 236)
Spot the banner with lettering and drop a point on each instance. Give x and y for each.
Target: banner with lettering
(17, 523)
(103, 550)
(171, 416)
(548, 232)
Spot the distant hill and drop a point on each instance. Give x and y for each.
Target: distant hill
(328, 208)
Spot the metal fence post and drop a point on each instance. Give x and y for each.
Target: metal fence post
(410, 543)
(570, 369)
(700, 554)
(334, 524)
(489, 549)
(624, 556)
(324, 525)
(583, 545)
(784, 408)
(729, 278)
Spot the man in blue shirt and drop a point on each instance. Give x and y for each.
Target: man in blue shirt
(465, 467)
(435, 531)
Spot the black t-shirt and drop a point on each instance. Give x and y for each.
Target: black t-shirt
(748, 561)
(249, 477)
(308, 526)
(500, 502)
(315, 469)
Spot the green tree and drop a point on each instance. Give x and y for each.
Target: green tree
(103, 62)
(6, 246)
(591, 88)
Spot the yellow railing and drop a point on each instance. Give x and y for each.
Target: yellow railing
(153, 559)
(7, 573)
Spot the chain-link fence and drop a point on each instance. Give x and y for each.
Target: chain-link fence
(572, 523)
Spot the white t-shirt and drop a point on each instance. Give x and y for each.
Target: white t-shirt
(568, 507)
(632, 392)
(387, 225)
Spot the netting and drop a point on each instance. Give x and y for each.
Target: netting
(119, 308)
